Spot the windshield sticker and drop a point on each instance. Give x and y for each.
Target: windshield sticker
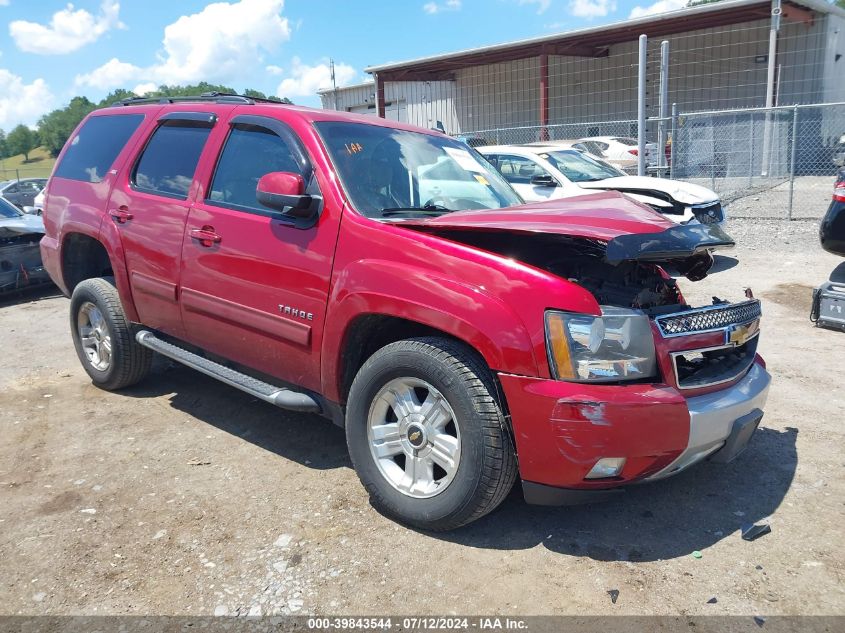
(353, 148)
(464, 159)
(482, 180)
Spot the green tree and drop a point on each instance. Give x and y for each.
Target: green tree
(21, 140)
(113, 97)
(257, 94)
(56, 127)
(840, 4)
(189, 91)
(4, 151)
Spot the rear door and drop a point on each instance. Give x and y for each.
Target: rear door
(256, 292)
(149, 205)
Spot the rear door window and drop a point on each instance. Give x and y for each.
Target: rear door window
(167, 165)
(92, 151)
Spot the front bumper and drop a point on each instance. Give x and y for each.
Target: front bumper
(562, 429)
(712, 418)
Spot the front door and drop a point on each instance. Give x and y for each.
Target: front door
(254, 287)
(150, 206)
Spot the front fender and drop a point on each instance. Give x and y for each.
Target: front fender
(461, 310)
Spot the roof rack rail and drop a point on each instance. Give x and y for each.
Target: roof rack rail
(216, 97)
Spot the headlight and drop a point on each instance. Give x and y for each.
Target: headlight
(617, 345)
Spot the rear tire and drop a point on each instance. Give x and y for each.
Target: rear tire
(103, 337)
(427, 434)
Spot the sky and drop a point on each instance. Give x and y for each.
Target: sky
(51, 51)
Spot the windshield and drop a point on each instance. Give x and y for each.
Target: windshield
(388, 172)
(580, 168)
(8, 210)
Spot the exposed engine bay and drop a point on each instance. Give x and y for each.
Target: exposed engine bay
(629, 284)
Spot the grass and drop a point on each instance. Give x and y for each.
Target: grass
(40, 165)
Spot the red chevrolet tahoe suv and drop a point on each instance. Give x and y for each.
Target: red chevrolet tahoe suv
(388, 278)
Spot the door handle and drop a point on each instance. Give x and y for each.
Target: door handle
(206, 236)
(121, 215)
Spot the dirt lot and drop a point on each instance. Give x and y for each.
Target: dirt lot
(183, 496)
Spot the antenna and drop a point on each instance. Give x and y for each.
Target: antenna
(334, 84)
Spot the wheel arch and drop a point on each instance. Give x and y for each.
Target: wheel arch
(356, 332)
(85, 257)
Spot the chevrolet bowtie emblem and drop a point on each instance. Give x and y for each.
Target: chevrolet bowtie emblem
(414, 436)
(740, 334)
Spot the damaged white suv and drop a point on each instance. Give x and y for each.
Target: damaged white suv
(550, 172)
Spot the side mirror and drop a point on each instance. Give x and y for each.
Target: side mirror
(285, 192)
(544, 180)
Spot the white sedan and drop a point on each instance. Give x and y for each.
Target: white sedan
(619, 151)
(546, 173)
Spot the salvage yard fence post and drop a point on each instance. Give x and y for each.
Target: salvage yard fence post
(792, 161)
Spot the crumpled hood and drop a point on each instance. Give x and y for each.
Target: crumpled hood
(600, 216)
(683, 192)
(21, 225)
(626, 229)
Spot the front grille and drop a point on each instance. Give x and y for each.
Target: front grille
(704, 368)
(709, 318)
(710, 214)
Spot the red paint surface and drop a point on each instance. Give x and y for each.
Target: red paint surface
(229, 296)
(562, 429)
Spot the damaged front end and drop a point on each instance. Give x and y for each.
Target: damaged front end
(20, 255)
(640, 386)
(626, 271)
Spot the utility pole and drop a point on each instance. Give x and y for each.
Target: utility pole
(641, 106)
(334, 84)
(770, 84)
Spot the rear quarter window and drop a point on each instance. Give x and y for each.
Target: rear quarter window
(93, 149)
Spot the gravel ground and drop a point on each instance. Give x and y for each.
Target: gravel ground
(183, 496)
(769, 198)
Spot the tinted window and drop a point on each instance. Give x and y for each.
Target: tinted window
(92, 151)
(249, 153)
(170, 158)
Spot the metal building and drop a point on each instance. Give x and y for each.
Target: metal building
(719, 59)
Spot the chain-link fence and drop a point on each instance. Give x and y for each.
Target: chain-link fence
(559, 132)
(767, 163)
(774, 163)
(24, 172)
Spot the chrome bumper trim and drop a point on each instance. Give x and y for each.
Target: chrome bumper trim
(712, 416)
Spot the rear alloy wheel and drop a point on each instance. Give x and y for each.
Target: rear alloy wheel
(427, 434)
(103, 336)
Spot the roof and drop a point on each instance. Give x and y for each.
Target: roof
(363, 84)
(272, 110)
(596, 41)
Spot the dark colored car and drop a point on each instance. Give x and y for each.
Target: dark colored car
(388, 278)
(20, 256)
(832, 231)
(21, 193)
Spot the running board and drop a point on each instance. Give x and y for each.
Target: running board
(279, 396)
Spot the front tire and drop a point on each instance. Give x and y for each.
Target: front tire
(103, 337)
(427, 434)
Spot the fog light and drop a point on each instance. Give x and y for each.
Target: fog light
(606, 467)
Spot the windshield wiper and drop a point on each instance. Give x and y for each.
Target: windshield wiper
(432, 209)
